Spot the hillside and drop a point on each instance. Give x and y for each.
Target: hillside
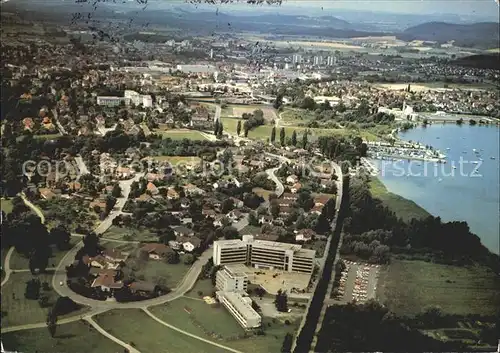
(480, 61)
(477, 35)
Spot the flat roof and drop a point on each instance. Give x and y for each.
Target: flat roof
(306, 253)
(239, 303)
(230, 242)
(274, 244)
(236, 270)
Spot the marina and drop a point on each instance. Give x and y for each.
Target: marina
(404, 151)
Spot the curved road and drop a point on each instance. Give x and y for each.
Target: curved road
(6, 266)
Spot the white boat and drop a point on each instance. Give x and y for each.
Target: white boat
(448, 148)
(454, 167)
(475, 162)
(492, 157)
(473, 150)
(440, 180)
(480, 159)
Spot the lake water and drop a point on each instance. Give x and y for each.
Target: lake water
(467, 192)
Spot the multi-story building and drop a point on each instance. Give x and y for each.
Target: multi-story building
(264, 254)
(331, 60)
(137, 98)
(231, 279)
(241, 308)
(297, 59)
(110, 101)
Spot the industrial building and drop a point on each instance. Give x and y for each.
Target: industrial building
(241, 309)
(110, 101)
(264, 254)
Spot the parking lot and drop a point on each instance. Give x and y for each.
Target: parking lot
(358, 282)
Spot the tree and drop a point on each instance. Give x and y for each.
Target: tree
(294, 138)
(39, 260)
(110, 203)
(172, 257)
(252, 219)
(305, 201)
(91, 244)
(273, 134)
(230, 232)
(238, 128)
(216, 127)
(460, 121)
(282, 136)
(227, 205)
(52, 323)
(60, 236)
(188, 259)
(32, 290)
(286, 347)
(278, 102)
(281, 301)
(117, 191)
(220, 130)
(246, 128)
(274, 208)
(304, 140)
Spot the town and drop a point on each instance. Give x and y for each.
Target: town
(216, 193)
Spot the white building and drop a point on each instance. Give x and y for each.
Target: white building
(231, 279)
(241, 308)
(197, 69)
(137, 98)
(110, 101)
(264, 254)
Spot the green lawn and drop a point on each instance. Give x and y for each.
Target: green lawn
(403, 208)
(212, 322)
(158, 271)
(181, 134)
(263, 132)
(295, 116)
(19, 262)
(74, 337)
(202, 285)
(122, 233)
(6, 205)
(20, 310)
(408, 287)
(69, 212)
(263, 192)
(148, 336)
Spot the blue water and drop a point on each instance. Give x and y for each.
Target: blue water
(459, 194)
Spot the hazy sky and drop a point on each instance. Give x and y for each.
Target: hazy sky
(459, 7)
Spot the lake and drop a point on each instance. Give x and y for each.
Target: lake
(459, 190)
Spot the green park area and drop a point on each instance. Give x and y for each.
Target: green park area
(136, 328)
(180, 134)
(263, 132)
(74, 337)
(17, 309)
(129, 234)
(403, 208)
(408, 287)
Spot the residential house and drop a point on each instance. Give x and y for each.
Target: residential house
(296, 188)
(234, 215)
(156, 251)
(143, 288)
(321, 200)
(124, 172)
(292, 179)
(285, 211)
(172, 194)
(98, 203)
(316, 209)
(96, 272)
(207, 212)
(304, 235)
(191, 189)
(183, 231)
(115, 255)
(100, 261)
(145, 198)
(106, 283)
(46, 194)
(201, 118)
(285, 202)
(28, 123)
(237, 202)
(152, 189)
(189, 244)
(218, 221)
(265, 219)
(289, 196)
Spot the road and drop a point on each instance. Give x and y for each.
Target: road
(58, 124)
(82, 168)
(6, 266)
(217, 113)
(127, 346)
(34, 208)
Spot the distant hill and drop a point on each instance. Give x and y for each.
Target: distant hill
(477, 35)
(482, 61)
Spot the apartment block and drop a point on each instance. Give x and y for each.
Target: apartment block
(231, 279)
(264, 254)
(241, 308)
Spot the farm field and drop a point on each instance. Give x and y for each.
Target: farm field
(179, 134)
(175, 159)
(403, 208)
(131, 326)
(408, 287)
(295, 116)
(74, 337)
(6, 206)
(331, 45)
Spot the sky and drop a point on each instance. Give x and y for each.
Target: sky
(480, 8)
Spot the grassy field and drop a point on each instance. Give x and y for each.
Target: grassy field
(204, 286)
(20, 310)
(6, 206)
(263, 192)
(295, 116)
(263, 132)
(117, 233)
(75, 337)
(170, 274)
(417, 87)
(148, 336)
(238, 110)
(403, 208)
(408, 287)
(180, 134)
(212, 322)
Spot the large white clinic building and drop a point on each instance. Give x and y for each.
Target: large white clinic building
(241, 308)
(264, 254)
(231, 279)
(128, 98)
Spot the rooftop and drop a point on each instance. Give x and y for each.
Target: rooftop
(236, 270)
(241, 305)
(274, 244)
